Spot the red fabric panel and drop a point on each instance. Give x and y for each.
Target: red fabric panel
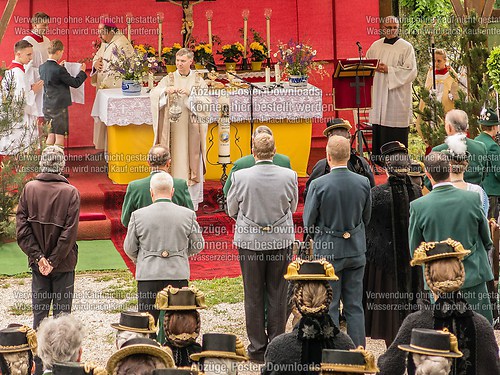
(332, 27)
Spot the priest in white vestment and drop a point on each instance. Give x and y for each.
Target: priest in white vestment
(40, 43)
(392, 95)
(21, 135)
(101, 76)
(180, 110)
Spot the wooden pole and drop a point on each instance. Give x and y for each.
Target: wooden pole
(6, 16)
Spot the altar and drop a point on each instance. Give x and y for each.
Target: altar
(288, 111)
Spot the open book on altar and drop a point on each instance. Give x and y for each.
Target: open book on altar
(352, 83)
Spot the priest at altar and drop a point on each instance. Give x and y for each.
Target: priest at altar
(179, 109)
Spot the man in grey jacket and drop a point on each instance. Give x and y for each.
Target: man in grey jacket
(159, 240)
(262, 199)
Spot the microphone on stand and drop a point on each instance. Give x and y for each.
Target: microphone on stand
(360, 51)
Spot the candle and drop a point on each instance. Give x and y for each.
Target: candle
(150, 80)
(129, 26)
(160, 33)
(224, 130)
(267, 14)
(268, 76)
(245, 14)
(277, 73)
(209, 14)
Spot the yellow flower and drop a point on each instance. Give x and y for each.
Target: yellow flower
(166, 50)
(177, 46)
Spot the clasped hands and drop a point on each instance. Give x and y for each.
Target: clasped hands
(44, 266)
(382, 68)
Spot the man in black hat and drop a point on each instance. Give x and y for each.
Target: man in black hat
(356, 164)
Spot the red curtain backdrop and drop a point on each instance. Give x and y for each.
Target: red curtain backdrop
(331, 26)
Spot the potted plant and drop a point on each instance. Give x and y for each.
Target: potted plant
(131, 69)
(296, 61)
(231, 53)
(168, 56)
(258, 53)
(202, 55)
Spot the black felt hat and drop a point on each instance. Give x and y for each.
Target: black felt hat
(335, 124)
(432, 342)
(140, 345)
(17, 338)
(134, 321)
(310, 270)
(75, 368)
(392, 147)
(221, 345)
(357, 361)
(186, 298)
(416, 169)
(429, 251)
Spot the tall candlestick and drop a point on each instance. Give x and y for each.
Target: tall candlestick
(268, 76)
(209, 14)
(160, 33)
(245, 14)
(129, 26)
(267, 14)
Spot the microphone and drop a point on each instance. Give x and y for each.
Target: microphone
(359, 45)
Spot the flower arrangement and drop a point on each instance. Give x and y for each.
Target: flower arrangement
(168, 53)
(297, 59)
(202, 53)
(145, 49)
(232, 53)
(258, 51)
(132, 67)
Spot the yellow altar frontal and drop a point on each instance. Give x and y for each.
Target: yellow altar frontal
(128, 147)
(292, 139)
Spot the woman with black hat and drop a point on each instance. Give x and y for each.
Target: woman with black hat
(445, 275)
(299, 351)
(391, 286)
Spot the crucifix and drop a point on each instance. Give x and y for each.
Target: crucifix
(187, 18)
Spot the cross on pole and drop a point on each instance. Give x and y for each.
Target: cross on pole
(187, 18)
(357, 84)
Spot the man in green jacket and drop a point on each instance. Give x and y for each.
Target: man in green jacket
(138, 194)
(249, 161)
(449, 212)
(457, 121)
(491, 184)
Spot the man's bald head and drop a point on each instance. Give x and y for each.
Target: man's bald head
(158, 156)
(338, 150)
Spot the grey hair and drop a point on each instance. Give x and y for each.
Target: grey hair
(161, 182)
(220, 366)
(59, 340)
(52, 160)
(185, 52)
(458, 119)
(262, 129)
(122, 336)
(431, 365)
(19, 363)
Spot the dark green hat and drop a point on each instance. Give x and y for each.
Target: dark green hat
(488, 117)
